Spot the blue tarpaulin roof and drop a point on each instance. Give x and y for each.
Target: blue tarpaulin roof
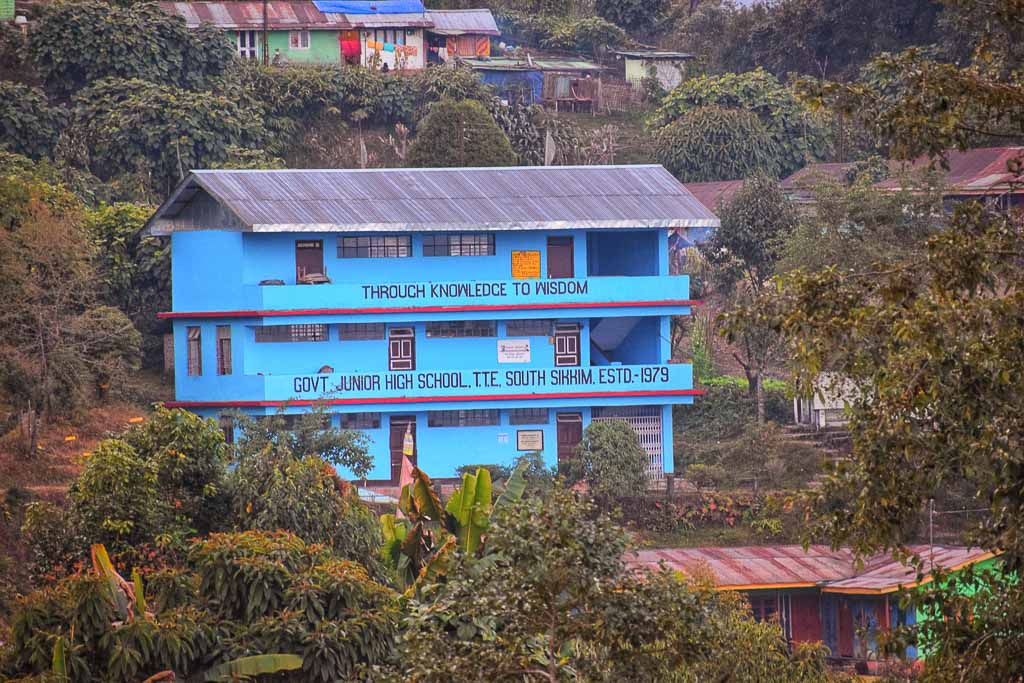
(367, 7)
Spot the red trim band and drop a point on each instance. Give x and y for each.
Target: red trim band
(424, 399)
(422, 309)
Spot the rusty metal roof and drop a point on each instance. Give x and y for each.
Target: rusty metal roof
(711, 194)
(249, 15)
(461, 21)
(514, 198)
(981, 171)
(404, 20)
(811, 174)
(790, 566)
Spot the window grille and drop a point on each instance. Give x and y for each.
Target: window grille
(462, 418)
(462, 328)
(360, 420)
(528, 416)
(528, 328)
(291, 333)
(360, 331)
(223, 349)
(375, 246)
(195, 352)
(646, 422)
(298, 40)
(458, 244)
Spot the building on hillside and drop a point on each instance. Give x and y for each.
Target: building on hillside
(825, 408)
(487, 312)
(396, 33)
(669, 68)
(989, 173)
(567, 84)
(819, 595)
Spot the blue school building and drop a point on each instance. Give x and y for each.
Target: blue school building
(489, 311)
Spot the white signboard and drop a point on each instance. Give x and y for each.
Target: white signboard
(513, 350)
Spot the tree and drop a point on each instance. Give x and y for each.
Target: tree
(934, 348)
(459, 133)
(58, 345)
(76, 43)
(799, 135)
(610, 460)
(711, 143)
(29, 124)
(746, 250)
(633, 15)
(161, 131)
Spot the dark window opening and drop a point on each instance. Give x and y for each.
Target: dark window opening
(195, 352)
(528, 328)
(462, 328)
(223, 349)
(291, 333)
(227, 426)
(360, 331)
(360, 420)
(528, 416)
(462, 418)
(375, 246)
(458, 244)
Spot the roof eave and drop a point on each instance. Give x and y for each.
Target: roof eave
(487, 227)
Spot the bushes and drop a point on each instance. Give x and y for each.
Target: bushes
(712, 143)
(459, 133)
(610, 460)
(634, 15)
(28, 124)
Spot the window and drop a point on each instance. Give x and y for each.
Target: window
(462, 418)
(298, 40)
(375, 246)
(223, 349)
(462, 328)
(528, 328)
(195, 352)
(292, 421)
(360, 420)
(528, 416)
(389, 35)
(458, 244)
(764, 609)
(247, 44)
(291, 333)
(227, 426)
(360, 331)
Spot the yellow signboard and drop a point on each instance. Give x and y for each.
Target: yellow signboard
(525, 265)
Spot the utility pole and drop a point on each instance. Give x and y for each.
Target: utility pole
(266, 43)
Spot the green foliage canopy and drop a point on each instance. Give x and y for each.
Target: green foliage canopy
(633, 15)
(28, 124)
(610, 460)
(459, 133)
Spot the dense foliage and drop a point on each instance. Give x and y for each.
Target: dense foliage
(459, 133)
(77, 43)
(610, 460)
(712, 143)
(798, 135)
(29, 125)
(634, 15)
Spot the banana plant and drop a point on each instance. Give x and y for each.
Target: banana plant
(419, 544)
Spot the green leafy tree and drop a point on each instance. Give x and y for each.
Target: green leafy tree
(633, 15)
(161, 130)
(76, 43)
(459, 133)
(29, 125)
(591, 35)
(712, 143)
(610, 460)
(799, 135)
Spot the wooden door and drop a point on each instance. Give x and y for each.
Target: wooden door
(570, 433)
(309, 258)
(845, 619)
(560, 257)
(401, 348)
(567, 345)
(399, 423)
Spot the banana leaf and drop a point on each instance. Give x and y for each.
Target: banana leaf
(140, 596)
(121, 591)
(470, 507)
(247, 667)
(59, 665)
(428, 504)
(514, 488)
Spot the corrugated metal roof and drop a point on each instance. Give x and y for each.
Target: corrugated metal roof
(516, 198)
(809, 175)
(710, 194)
(460, 21)
(406, 20)
(655, 54)
(763, 567)
(544, 64)
(974, 171)
(249, 15)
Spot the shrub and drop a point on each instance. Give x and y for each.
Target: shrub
(592, 35)
(713, 143)
(28, 124)
(459, 133)
(610, 460)
(634, 15)
(706, 476)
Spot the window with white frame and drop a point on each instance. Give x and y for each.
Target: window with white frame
(247, 45)
(395, 36)
(298, 40)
